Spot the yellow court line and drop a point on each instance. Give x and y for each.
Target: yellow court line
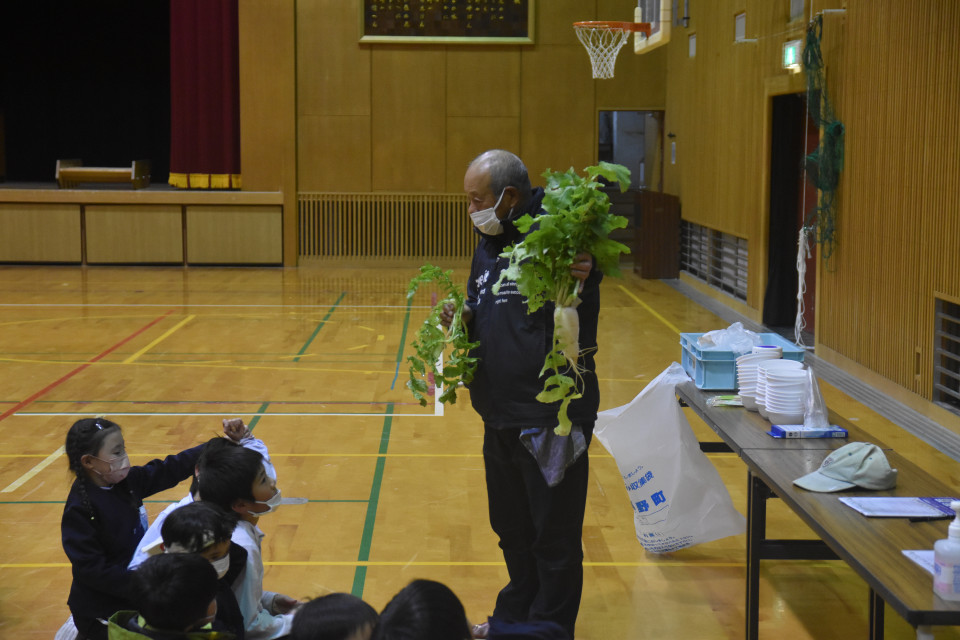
(40, 466)
(158, 340)
(649, 308)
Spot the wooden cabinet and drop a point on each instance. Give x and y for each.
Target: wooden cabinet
(657, 235)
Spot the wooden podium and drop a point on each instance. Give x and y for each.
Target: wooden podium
(70, 173)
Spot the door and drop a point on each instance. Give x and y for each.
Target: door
(791, 198)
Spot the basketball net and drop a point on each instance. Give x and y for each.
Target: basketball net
(603, 43)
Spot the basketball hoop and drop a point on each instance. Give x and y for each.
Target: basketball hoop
(603, 41)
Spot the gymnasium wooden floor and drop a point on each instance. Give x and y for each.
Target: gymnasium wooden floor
(314, 360)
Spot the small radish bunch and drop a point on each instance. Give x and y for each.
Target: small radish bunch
(431, 340)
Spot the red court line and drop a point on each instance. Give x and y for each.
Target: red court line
(53, 385)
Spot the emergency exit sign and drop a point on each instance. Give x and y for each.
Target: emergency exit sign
(791, 55)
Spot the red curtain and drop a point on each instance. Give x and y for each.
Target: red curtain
(204, 95)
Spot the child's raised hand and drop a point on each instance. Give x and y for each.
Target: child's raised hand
(235, 429)
(284, 604)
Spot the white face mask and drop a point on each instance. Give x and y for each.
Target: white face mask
(222, 565)
(272, 503)
(486, 221)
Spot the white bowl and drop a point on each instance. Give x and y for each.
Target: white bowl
(785, 418)
(781, 364)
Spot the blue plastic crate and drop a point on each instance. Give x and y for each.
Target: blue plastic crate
(716, 369)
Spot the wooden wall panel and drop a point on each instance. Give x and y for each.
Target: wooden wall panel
(469, 137)
(121, 234)
(410, 91)
(40, 233)
(899, 214)
(408, 112)
(333, 68)
(557, 112)
(639, 81)
(234, 235)
(342, 161)
(483, 81)
(268, 127)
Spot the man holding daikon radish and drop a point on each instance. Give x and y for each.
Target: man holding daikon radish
(536, 479)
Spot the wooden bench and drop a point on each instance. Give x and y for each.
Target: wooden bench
(70, 173)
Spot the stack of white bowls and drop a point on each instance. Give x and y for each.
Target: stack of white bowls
(747, 373)
(781, 385)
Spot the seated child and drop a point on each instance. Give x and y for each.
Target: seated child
(335, 616)
(234, 478)
(176, 599)
(104, 517)
(237, 431)
(422, 610)
(205, 529)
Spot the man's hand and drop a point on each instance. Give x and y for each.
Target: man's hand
(446, 316)
(582, 265)
(235, 429)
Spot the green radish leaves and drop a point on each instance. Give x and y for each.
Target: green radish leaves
(431, 340)
(576, 219)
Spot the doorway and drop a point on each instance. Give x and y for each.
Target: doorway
(793, 136)
(635, 140)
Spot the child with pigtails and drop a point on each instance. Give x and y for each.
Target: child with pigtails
(104, 517)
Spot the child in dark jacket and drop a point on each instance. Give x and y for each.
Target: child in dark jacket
(205, 529)
(104, 517)
(176, 600)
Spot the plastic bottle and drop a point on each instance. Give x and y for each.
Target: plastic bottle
(946, 559)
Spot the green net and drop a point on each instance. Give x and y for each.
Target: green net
(823, 165)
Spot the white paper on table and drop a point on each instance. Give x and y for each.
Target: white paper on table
(900, 507)
(923, 557)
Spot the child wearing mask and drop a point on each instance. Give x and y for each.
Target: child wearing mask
(104, 517)
(236, 430)
(234, 478)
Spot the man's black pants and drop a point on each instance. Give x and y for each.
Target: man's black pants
(540, 529)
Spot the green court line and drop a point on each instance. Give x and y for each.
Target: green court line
(256, 418)
(360, 575)
(319, 326)
(403, 341)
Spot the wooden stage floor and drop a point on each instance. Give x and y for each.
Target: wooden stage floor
(314, 360)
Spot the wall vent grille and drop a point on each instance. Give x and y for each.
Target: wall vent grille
(946, 355)
(384, 225)
(717, 258)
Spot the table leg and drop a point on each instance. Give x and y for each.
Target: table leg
(756, 532)
(876, 618)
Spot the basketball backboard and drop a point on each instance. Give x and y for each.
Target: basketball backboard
(657, 13)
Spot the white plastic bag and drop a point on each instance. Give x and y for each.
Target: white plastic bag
(814, 408)
(677, 495)
(734, 338)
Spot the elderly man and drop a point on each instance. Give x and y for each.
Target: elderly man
(536, 480)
